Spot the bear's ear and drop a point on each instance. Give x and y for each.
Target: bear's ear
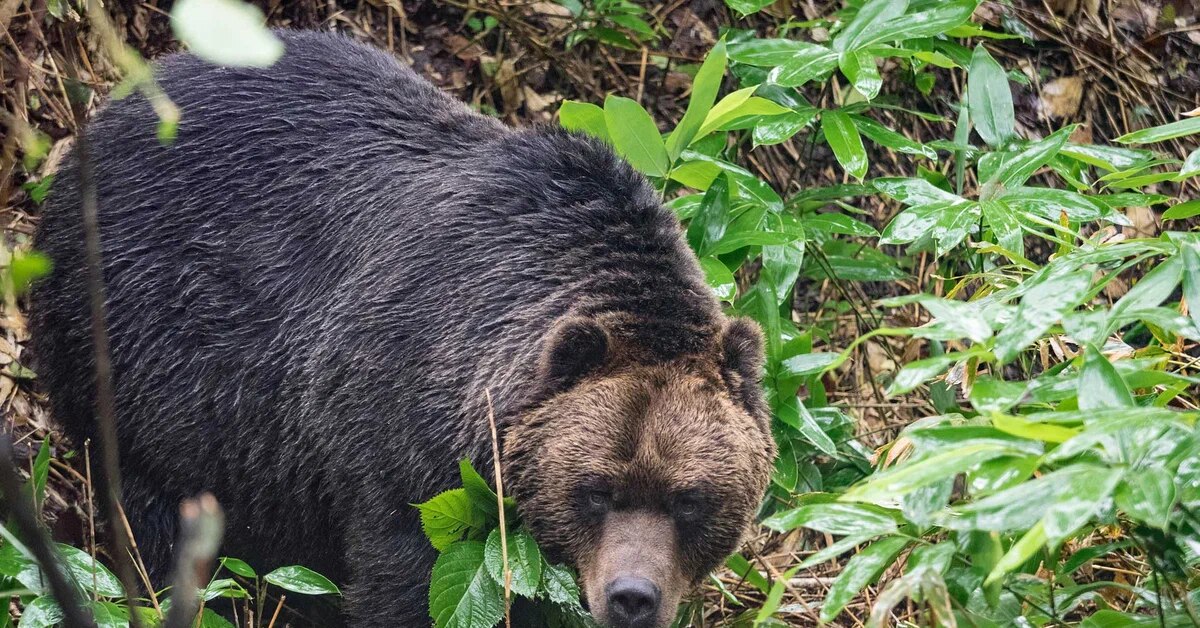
(742, 363)
(574, 347)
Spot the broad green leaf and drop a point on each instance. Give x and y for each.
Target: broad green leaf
(919, 371)
(807, 364)
(1033, 540)
(1062, 500)
(839, 518)
(776, 129)
(888, 138)
(1189, 252)
(524, 561)
(226, 32)
(1183, 210)
(26, 267)
(1147, 495)
(1004, 224)
(558, 584)
(1033, 430)
(912, 191)
(1179, 128)
(872, 17)
(946, 223)
(448, 516)
(942, 17)
(839, 223)
(1043, 305)
(1049, 204)
(748, 7)
(704, 94)
(886, 486)
(224, 587)
(301, 580)
(793, 413)
(42, 612)
(843, 138)
(748, 112)
(709, 224)
(989, 99)
(585, 118)
(1013, 169)
(462, 593)
(1111, 158)
(1154, 288)
(1191, 166)
(238, 567)
(808, 62)
(766, 53)
(635, 136)
(90, 573)
(1100, 386)
(861, 570)
(859, 66)
(719, 278)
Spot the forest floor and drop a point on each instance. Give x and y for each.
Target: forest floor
(1113, 65)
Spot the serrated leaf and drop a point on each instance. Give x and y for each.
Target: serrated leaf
(635, 136)
(524, 561)
(301, 580)
(558, 585)
(462, 593)
(449, 516)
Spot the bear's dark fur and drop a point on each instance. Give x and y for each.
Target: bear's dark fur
(311, 289)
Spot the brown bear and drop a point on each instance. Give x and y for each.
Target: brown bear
(311, 291)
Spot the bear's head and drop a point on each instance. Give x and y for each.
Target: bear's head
(642, 474)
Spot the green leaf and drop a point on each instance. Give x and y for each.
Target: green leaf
(861, 570)
(226, 32)
(584, 117)
(1013, 169)
(766, 53)
(1062, 500)
(524, 561)
(462, 594)
(1047, 203)
(913, 191)
(1191, 166)
(792, 412)
(947, 224)
(238, 567)
(558, 584)
(224, 587)
(871, 18)
(712, 219)
(748, 7)
(839, 223)
(1154, 288)
(859, 66)
(27, 267)
(942, 17)
(919, 371)
(1044, 304)
(719, 278)
(808, 62)
(843, 138)
(1111, 158)
(1147, 495)
(1100, 386)
(888, 138)
(807, 364)
(839, 518)
(1179, 128)
(1005, 225)
(447, 517)
(1190, 254)
(42, 612)
(89, 572)
(1022, 550)
(704, 94)
(301, 580)
(887, 486)
(989, 99)
(635, 136)
(1180, 211)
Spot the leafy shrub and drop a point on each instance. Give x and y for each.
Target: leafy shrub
(1077, 416)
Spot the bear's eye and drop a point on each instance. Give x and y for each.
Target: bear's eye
(598, 502)
(687, 507)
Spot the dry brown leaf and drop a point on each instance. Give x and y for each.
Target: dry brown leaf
(1061, 97)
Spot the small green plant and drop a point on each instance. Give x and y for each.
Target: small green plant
(619, 23)
(476, 572)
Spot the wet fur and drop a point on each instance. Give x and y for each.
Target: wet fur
(310, 290)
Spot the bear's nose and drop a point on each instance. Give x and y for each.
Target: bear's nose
(632, 602)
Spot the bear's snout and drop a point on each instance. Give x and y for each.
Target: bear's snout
(634, 579)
